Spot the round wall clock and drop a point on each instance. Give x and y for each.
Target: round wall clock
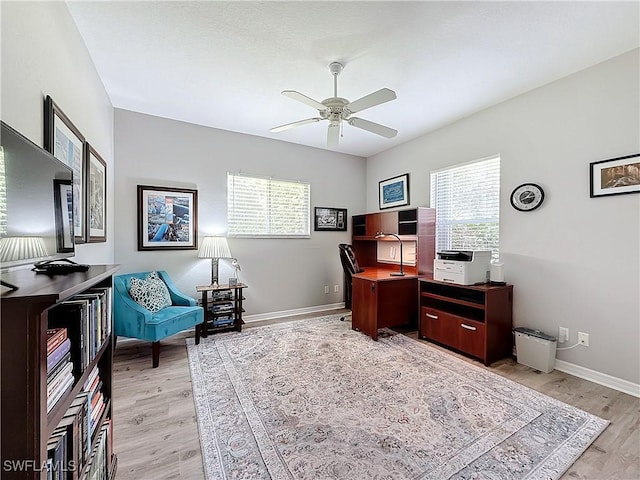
(527, 197)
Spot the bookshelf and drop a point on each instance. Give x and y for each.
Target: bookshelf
(42, 438)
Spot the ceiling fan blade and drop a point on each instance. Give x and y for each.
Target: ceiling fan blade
(295, 124)
(333, 135)
(373, 127)
(376, 98)
(304, 99)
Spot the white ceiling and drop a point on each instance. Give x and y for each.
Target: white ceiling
(224, 64)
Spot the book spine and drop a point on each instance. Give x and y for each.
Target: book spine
(57, 354)
(61, 377)
(58, 335)
(57, 395)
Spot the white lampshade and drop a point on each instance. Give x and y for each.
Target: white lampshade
(21, 248)
(214, 247)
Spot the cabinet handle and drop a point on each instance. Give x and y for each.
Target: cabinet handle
(468, 327)
(435, 317)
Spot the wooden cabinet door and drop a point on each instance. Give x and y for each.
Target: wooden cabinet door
(471, 337)
(386, 222)
(373, 224)
(438, 326)
(389, 222)
(364, 298)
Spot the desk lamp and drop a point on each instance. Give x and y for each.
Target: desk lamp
(382, 235)
(214, 248)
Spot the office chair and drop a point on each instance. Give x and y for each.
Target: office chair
(350, 267)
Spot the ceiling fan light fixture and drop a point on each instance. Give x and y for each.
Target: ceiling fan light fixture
(336, 109)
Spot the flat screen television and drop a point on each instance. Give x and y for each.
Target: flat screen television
(36, 203)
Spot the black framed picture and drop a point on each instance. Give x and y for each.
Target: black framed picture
(615, 176)
(63, 207)
(328, 219)
(66, 143)
(394, 192)
(96, 176)
(167, 218)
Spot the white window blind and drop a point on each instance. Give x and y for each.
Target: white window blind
(467, 202)
(3, 195)
(264, 207)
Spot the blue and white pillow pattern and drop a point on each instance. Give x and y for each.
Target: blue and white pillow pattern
(150, 293)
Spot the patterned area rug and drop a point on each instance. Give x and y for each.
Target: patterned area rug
(313, 399)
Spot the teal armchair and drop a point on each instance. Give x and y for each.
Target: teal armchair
(134, 321)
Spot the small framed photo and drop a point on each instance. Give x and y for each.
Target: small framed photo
(63, 207)
(167, 218)
(66, 143)
(96, 176)
(394, 192)
(615, 176)
(233, 281)
(330, 219)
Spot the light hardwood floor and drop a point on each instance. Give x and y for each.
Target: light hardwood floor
(156, 432)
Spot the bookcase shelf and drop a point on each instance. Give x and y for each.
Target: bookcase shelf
(222, 307)
(26, 429)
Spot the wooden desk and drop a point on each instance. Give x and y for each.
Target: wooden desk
(380, 300)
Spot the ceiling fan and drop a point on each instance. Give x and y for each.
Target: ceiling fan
(336, 110)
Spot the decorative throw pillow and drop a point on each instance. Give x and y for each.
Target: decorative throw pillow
(151, 293)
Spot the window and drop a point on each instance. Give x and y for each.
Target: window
(3, 195)
(264, 207)
(467, 202)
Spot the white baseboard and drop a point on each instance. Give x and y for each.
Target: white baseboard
(287, 313)
(600, 378)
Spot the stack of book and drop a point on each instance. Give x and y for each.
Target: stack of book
(100, 459)
(224, 320)
(97, 405)
(69, 443)
(222, 295)
(86, 318)
(219, 308)
(59, 365)
(57, 465)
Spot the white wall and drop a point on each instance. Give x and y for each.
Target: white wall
(283, 274)
(575, 261)
(43, 54)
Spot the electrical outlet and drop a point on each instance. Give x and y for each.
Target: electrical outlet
(326, 289)
(583, 339)
(563, 334)
(336, 288)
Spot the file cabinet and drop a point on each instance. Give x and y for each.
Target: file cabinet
(473, 319)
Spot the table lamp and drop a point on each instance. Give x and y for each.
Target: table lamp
(382, 235)
(20, 248)
(215, 248)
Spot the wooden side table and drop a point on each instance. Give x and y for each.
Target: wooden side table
(222, 307)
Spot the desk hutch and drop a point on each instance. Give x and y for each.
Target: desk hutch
(379, 299)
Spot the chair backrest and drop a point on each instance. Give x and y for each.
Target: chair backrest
(122, 284)
(348, 259)
(124, 280)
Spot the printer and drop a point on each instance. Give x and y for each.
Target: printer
(464, 267)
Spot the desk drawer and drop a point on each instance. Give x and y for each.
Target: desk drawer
(438, 326)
